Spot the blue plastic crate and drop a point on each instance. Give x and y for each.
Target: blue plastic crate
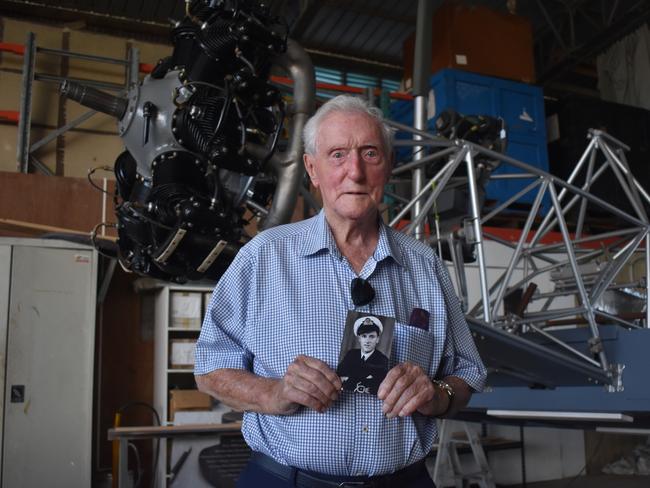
(519, 104)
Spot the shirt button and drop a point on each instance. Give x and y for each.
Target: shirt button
(365, 428)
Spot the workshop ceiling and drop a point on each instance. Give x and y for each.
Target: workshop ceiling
(367, 35)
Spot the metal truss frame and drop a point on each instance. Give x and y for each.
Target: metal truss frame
(530, 252)
(25, 149)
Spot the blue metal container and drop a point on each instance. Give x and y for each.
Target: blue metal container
(519, 104)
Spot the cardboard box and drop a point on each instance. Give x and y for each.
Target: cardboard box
(183, 400)
(478, 39)
(181, 353)
(185, 309)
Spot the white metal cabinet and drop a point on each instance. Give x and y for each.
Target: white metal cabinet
(5, 275)
(48, 407)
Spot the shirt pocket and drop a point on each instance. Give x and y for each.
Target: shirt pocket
(412, 344)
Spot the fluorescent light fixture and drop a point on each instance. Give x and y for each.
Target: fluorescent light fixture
(621, 430)
(548, 415)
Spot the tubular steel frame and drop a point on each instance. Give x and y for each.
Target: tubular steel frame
(617, 247)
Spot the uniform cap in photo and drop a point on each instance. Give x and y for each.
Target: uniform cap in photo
(367, 323)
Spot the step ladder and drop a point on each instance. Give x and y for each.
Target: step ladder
(448, 470)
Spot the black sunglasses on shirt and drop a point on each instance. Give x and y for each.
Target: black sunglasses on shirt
(362, 292)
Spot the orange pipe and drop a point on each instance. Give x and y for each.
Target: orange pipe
(10, 115)
(146, 68)
(9, 47)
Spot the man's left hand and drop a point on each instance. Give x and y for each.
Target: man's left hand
(407, 389)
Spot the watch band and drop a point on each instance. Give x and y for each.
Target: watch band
(446, 387)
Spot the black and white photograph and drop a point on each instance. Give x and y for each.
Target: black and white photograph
(365, 352)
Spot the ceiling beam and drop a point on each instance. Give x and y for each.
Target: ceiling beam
(308, 11)
(351, 6)
(626, 23)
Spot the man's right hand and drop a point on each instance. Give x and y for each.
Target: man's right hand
(308, 382)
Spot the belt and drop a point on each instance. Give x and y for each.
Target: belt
(310, 479)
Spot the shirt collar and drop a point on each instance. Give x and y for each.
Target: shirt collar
(367, 355)
(320, 237)
(387, 246)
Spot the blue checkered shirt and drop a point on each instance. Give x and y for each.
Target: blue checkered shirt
(287, 293)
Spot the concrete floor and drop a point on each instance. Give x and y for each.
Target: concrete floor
(599, 481)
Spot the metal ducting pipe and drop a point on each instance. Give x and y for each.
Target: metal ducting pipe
(288, 165)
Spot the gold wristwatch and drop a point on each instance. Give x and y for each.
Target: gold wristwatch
(446, 387)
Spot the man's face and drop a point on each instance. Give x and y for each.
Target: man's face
(368, 341)
(350, 166)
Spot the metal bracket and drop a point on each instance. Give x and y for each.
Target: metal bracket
(616, 385)
(171, 247)
(468, 230)
(214, 254)
(595, 345)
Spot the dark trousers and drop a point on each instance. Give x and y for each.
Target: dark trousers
(254, 476)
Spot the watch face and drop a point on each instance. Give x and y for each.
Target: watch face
(450, 395)
(448, 389)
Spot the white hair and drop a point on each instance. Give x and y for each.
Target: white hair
(345, 104)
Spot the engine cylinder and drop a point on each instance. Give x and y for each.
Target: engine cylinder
(184, 40)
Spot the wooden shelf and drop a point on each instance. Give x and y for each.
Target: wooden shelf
(149, 431)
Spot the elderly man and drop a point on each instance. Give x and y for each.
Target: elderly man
(271, 337)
